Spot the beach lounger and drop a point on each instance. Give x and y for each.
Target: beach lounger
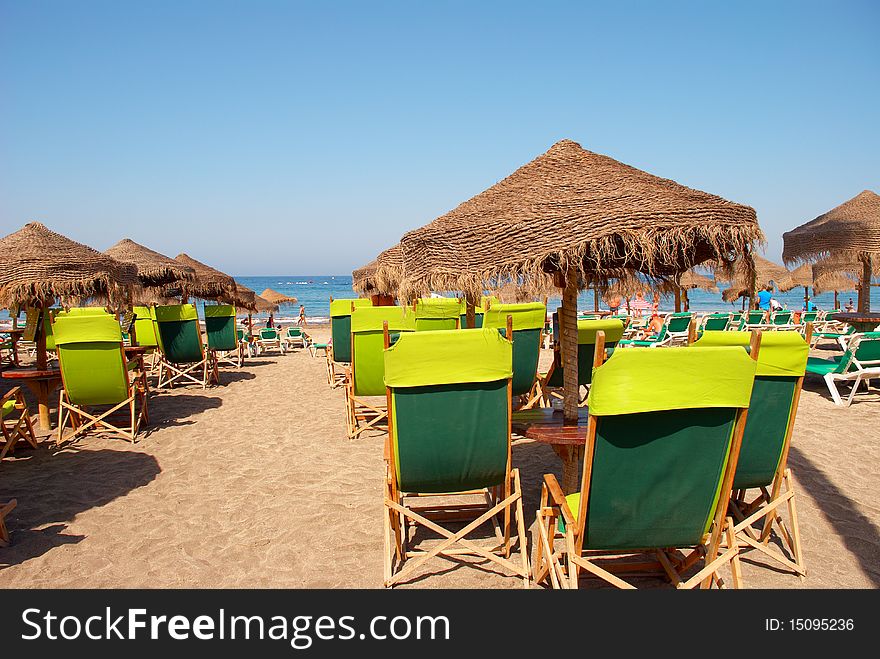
(780, 320)
(753, 319)
(662, 443)
(294, 337)
(364, 410)
(762, 469)
(436, 313)
(339, 350)
(15, 422)
(268, 338)
(5, 509)
(587, 329)
(674, 331)
(223, 343)
(448, 452)
(715, 322)
(95, 374)
(527, 322)
(183, 354)
(859, 363)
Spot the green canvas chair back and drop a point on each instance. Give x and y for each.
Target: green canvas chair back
(449, 409)
(240, 334)
(179, 333)
(754, 317)
(340, 326)
(220, 327)
(716, 322)
(437, 313)
(677, 323)
(294, 332)
(528, 323)
(809, 316)
(587, 348)
(864, 349)
(268, 333)
(462, 316)
(782, 362)
(664, 431)
(782, 318)
(90, 355)
(144, 327)
(368, 343)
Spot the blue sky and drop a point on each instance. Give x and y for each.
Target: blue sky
(291, 137)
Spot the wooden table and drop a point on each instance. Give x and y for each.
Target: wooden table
(863, 322)
(42, 383)
(546, 425)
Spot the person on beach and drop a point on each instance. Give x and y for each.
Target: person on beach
(301, 321)
(849, 306)
(764, 298)
(639, 305)
(271, 321)
(614, 303)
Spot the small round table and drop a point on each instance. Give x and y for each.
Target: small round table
(42, 383)
(546, 425)
(862, 322)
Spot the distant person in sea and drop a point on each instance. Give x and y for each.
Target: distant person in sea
(849, 306)
(301, 321)
(764, 298)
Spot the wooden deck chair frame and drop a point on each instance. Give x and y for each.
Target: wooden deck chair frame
(526, 323)
(340, 334)
(771, 497)
(502, 505)
(15, 429)
(561, 566)
(83, 417)
(362, 414)
(222, 347)
(172, 371)
(5, 509)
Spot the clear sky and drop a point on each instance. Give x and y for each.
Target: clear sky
(284, 137)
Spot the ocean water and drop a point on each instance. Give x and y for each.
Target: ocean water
(314, 292)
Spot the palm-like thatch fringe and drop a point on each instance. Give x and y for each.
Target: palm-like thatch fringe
(263, 305)
(362, 279)
(573, 208)
(154, 269)
(207, 283)
(39, 265)
(851, 229)
(389, 271)
(274, 297)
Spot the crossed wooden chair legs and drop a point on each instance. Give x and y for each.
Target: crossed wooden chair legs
(15, 429)
(363, 415)
(501, 505)
(170, 373)
(765, 507)
(5, 509)
(81, 420)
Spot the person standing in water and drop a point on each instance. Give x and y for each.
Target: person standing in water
(301, 321)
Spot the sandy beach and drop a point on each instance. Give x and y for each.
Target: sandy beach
(255, 484)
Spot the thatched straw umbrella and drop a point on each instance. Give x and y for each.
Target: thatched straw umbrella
(363, 279)
(688, 281)
(275, 297)
(39, 265)
(745, 282)
(582, 218)
(381, 277)
(207, 283)
(154, 269)
(840, 272)
(851, 230)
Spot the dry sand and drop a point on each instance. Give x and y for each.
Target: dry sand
(255, 484)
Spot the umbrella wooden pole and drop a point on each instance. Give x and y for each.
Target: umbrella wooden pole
(677, 299)
(470, 312)
(596, 298)
(836, 302)
(569, 339)
(865, 289)
(42, 358)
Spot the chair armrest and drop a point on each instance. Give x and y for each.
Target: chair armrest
(558, 497)
(9, 395)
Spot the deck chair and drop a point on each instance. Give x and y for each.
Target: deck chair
(339, 350)
(223, 343)
(763, 457)
(674, 331)
(436, 313)
(294, 337)
(448, 455)
(527, 323)
(366, 379)
(33, 318)
(15, 422)
(780, 320)
(95, 374)
(5, 509)
(479, 312)
(662, 444)
(859, 363)
(715, 322)
(587, 329)
(145, 333)
(183, 355)
(268, 338)
(752, 319)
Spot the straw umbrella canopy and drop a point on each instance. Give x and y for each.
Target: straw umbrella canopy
(851, 230)
(363, 279)
(39, 265)
(745, 283)
(274, 297)
(153, 268)
(207, 284)
(582, 218)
